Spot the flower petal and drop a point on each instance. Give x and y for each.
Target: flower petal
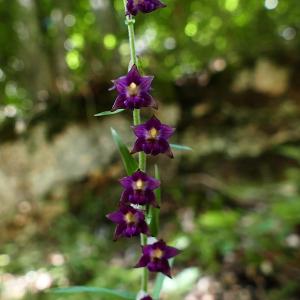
(121, 84)
(138, 145)
(116, 217)
(165, 268)
(126, 182)
(140, 131)
(133, 76)
(144, 228)
(170, 252)
(165, 148)
(152, 183)
(147, 6)
(150, 198)
(125, 196)
(148, 100)
(131, 7)
(119, 230)
(144, 260)
(119, 102)
(145, 83)
(166, 131)
(153, 123)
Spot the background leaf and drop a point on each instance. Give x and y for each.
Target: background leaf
(112, 294)
(181, 147)
(130, 163)
(108, 113)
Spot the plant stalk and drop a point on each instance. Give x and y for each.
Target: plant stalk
(136, 121)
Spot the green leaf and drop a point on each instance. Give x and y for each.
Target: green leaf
(159, 282)
(181, 147)
(290, 152)
(109, 113)
(215, 220)
(129, 162)
(95, 290)
(154, 212)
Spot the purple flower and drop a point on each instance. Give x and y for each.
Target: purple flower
(139, 189)
(133, 91)
(145, 6)
(152, 138)
(131, 222)
(143, 296)
(155, 257)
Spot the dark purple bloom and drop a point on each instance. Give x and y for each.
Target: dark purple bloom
(152, 137)
(139, 189)
(145, 6)
(133, 91)
(143, 296)
(155, 257)
(131, 221)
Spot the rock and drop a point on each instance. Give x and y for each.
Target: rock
(270, 78)
(31, 168)
(169, 114)
(243, 81)
(267, 78)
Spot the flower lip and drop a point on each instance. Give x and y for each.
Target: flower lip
(153, 133)
(157, 253)
(139, 184)
(130, 218)
(133, 89)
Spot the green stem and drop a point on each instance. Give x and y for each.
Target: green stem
(136, 121)
(142, 156)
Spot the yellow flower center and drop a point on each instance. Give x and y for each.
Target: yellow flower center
(139, 184)
(133, 89)
(153, 132)
(157, 253)
(130, 218)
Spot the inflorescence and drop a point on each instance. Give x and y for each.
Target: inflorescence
(151, 139)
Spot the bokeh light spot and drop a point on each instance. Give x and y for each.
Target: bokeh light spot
(191, 29)
(289, 33)
(69, 20)
(73, 59)
(110, 41)
(77, 40)
(4, 260)
(231, 5)
(271, 4)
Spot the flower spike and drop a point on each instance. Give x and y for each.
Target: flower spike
(152, 137)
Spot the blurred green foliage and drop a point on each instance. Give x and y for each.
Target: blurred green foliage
(57, 47)
(243, 216)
